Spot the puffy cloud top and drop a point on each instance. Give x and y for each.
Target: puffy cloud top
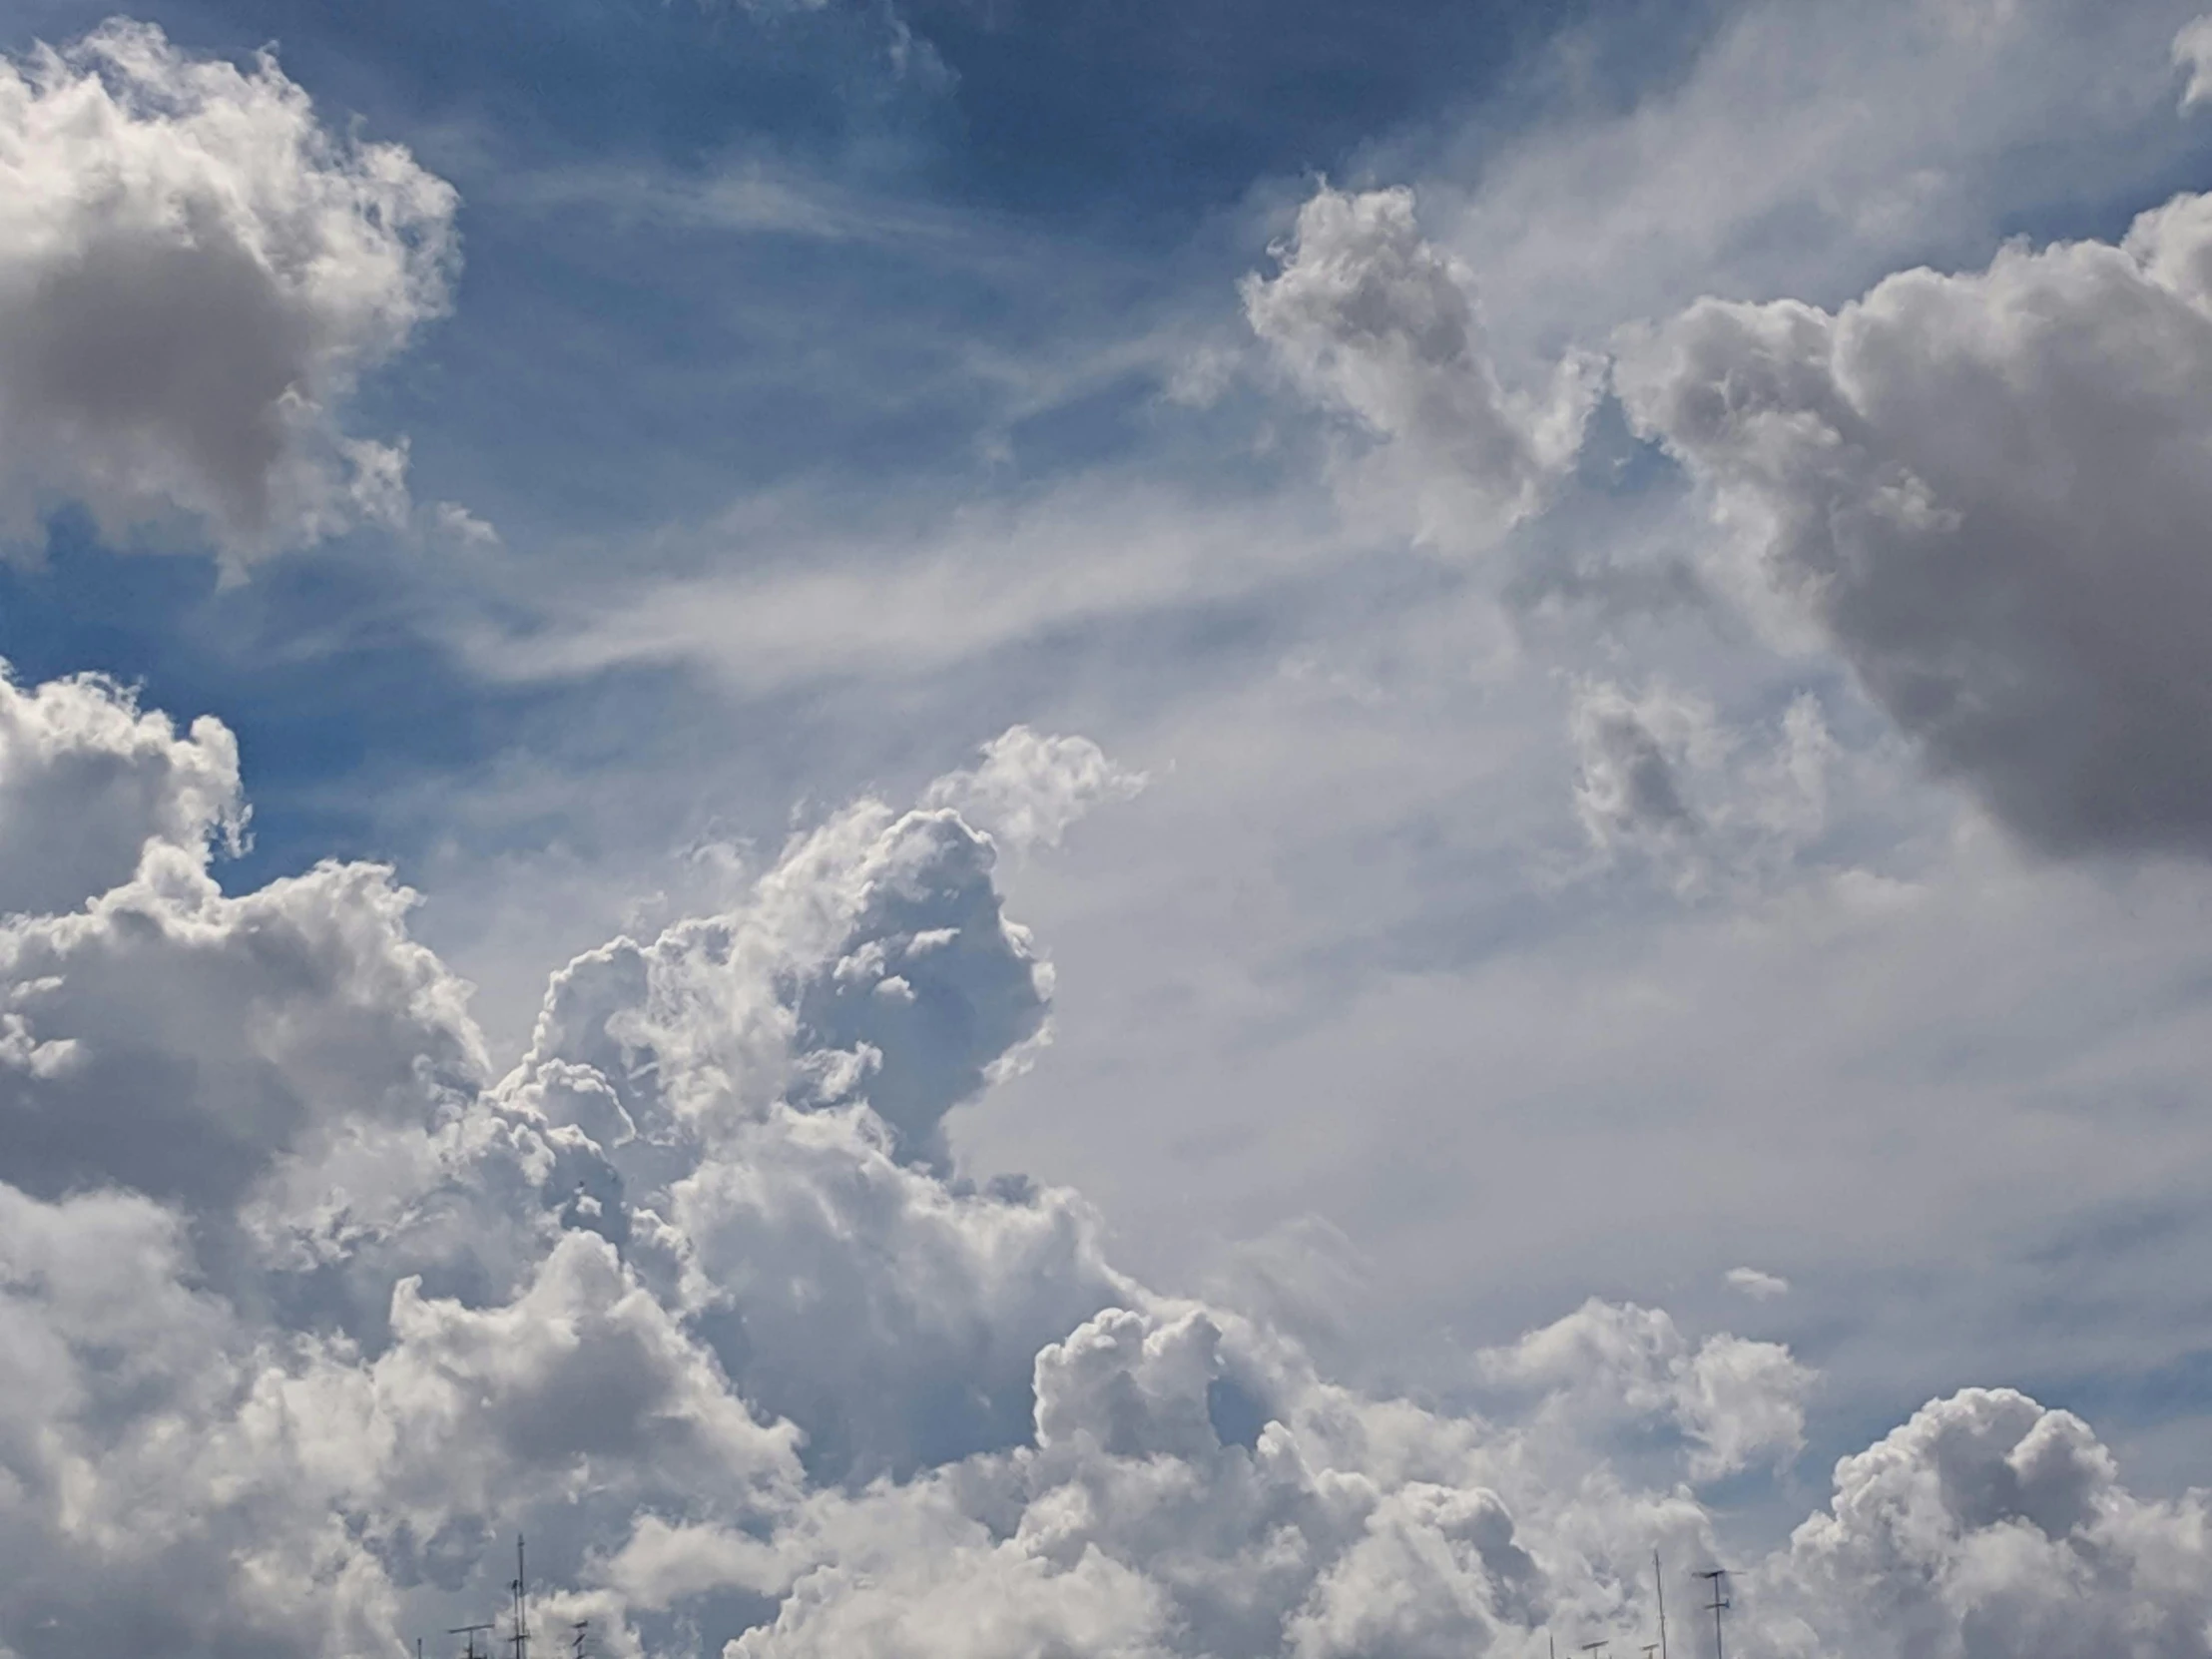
(193, 270)
(1988, 1526)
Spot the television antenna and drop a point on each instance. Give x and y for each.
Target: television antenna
(1718, 1578)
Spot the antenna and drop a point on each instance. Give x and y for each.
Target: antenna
(1718, 1578)
(469, 1649)
(1594, 1648)
(582, 1627)
(521, 1637)
(1659, 1583)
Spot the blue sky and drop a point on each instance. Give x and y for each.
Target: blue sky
(1576, 628)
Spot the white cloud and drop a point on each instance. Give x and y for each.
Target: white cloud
(1807, 146)
(1029, 788)
(181, 1043)
(2193, 52)
(1368, 316)
(194, 272)
(1985, 488)
(87, 779)
(1735, 1401)
(301, 1314)
(902, 603)
(1988, 1526)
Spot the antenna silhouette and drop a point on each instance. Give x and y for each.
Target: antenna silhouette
(521, 1637)
(469, 1649)
(1718, 1577)
(582, 1627)
(1659, 1583)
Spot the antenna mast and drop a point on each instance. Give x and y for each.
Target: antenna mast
(469, 1649)
(1718, 1578)
(1659, 1583)
(521, 1636)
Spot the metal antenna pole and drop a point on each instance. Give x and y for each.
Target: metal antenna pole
(582, 1627)
(1659, 1583)
(522, 1604)
(1718, 1577)
(471, 1633)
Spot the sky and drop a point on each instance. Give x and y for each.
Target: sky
(967, 830)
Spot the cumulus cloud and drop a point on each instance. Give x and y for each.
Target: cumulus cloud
(1369, 318)
(1988, 1526)
(302, 1312)
(1734, 1400)
(1985, 490)
(88, 780)
(192, 272)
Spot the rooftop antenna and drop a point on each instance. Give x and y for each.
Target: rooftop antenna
(469, 1649)
(1718, 1578)
(1659, 1583)
(1595, 1647)
(582, 1627)
(521, 1637)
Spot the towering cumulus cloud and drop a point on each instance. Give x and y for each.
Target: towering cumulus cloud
(304, 1311)
(1990, 490)
(193, 270)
